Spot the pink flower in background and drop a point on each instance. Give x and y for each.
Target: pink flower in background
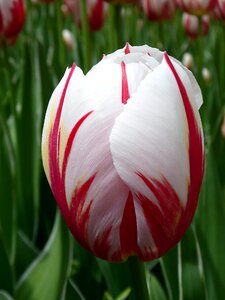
(96, 10)
(197, 7)
(12, 17)
(192, 27)
(122, 149)
(159, 9)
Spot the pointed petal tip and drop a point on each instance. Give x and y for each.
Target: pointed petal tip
(127, 48)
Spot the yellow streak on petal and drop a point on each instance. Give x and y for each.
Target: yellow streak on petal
(49, 121)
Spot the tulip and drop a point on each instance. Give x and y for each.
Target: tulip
(187, 60)
(197, 7)
(12, 17)
(68, 38)
(96, 11)
(205, 24)
(223, 127)
(159, 10)
(192, 27)
(216, 12)
(122, 148)
(206, 75)
(222, 7)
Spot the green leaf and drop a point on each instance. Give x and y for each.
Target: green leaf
(117, 277)
(5, 296)
(6, 278)
(193, 277)
(73, 292)
(26, 252)
(45, 279)
(156, 289)
(28, 130)
(169, 264)
(124, 295)
(7, 203)
(210, 224)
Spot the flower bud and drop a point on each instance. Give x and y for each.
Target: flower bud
(192, 27)
(96, 11)
(197, 7)
(223, 127)
(221, 4)
(122, 148)
(12, 17)
(68, 38)
(159, 10)
(206, 74)
(187, 60)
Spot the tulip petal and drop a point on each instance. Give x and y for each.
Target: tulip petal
(122, 150)
(88, 183)
(150, 145)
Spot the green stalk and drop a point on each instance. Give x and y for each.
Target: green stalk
(85, 36)
(113, 34)
(139, 284)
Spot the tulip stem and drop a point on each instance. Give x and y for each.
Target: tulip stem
(85, 36)
(113, 34)
(139, 284)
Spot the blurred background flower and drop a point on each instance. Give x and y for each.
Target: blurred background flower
(195, 26)
(96, 12)
(157, 10)
(222, 7)
(197, 7)
(12, 18)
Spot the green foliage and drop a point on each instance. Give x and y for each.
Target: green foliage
(38, 258)
(46, 277)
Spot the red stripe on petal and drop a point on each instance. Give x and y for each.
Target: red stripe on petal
(54, 151)
(127, 49)
(125, 88)
(70, 143)
(163, 218)
(79, 214)
(128, 229)
(196, 152)
(102, 244)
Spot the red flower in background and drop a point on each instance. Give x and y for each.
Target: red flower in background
(222, 7)
(197, 7)
(217, 13)
(193, 28)
(96, 11)
(159, 9)
(12, 17)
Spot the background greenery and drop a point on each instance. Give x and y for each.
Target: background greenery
(39, 260)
